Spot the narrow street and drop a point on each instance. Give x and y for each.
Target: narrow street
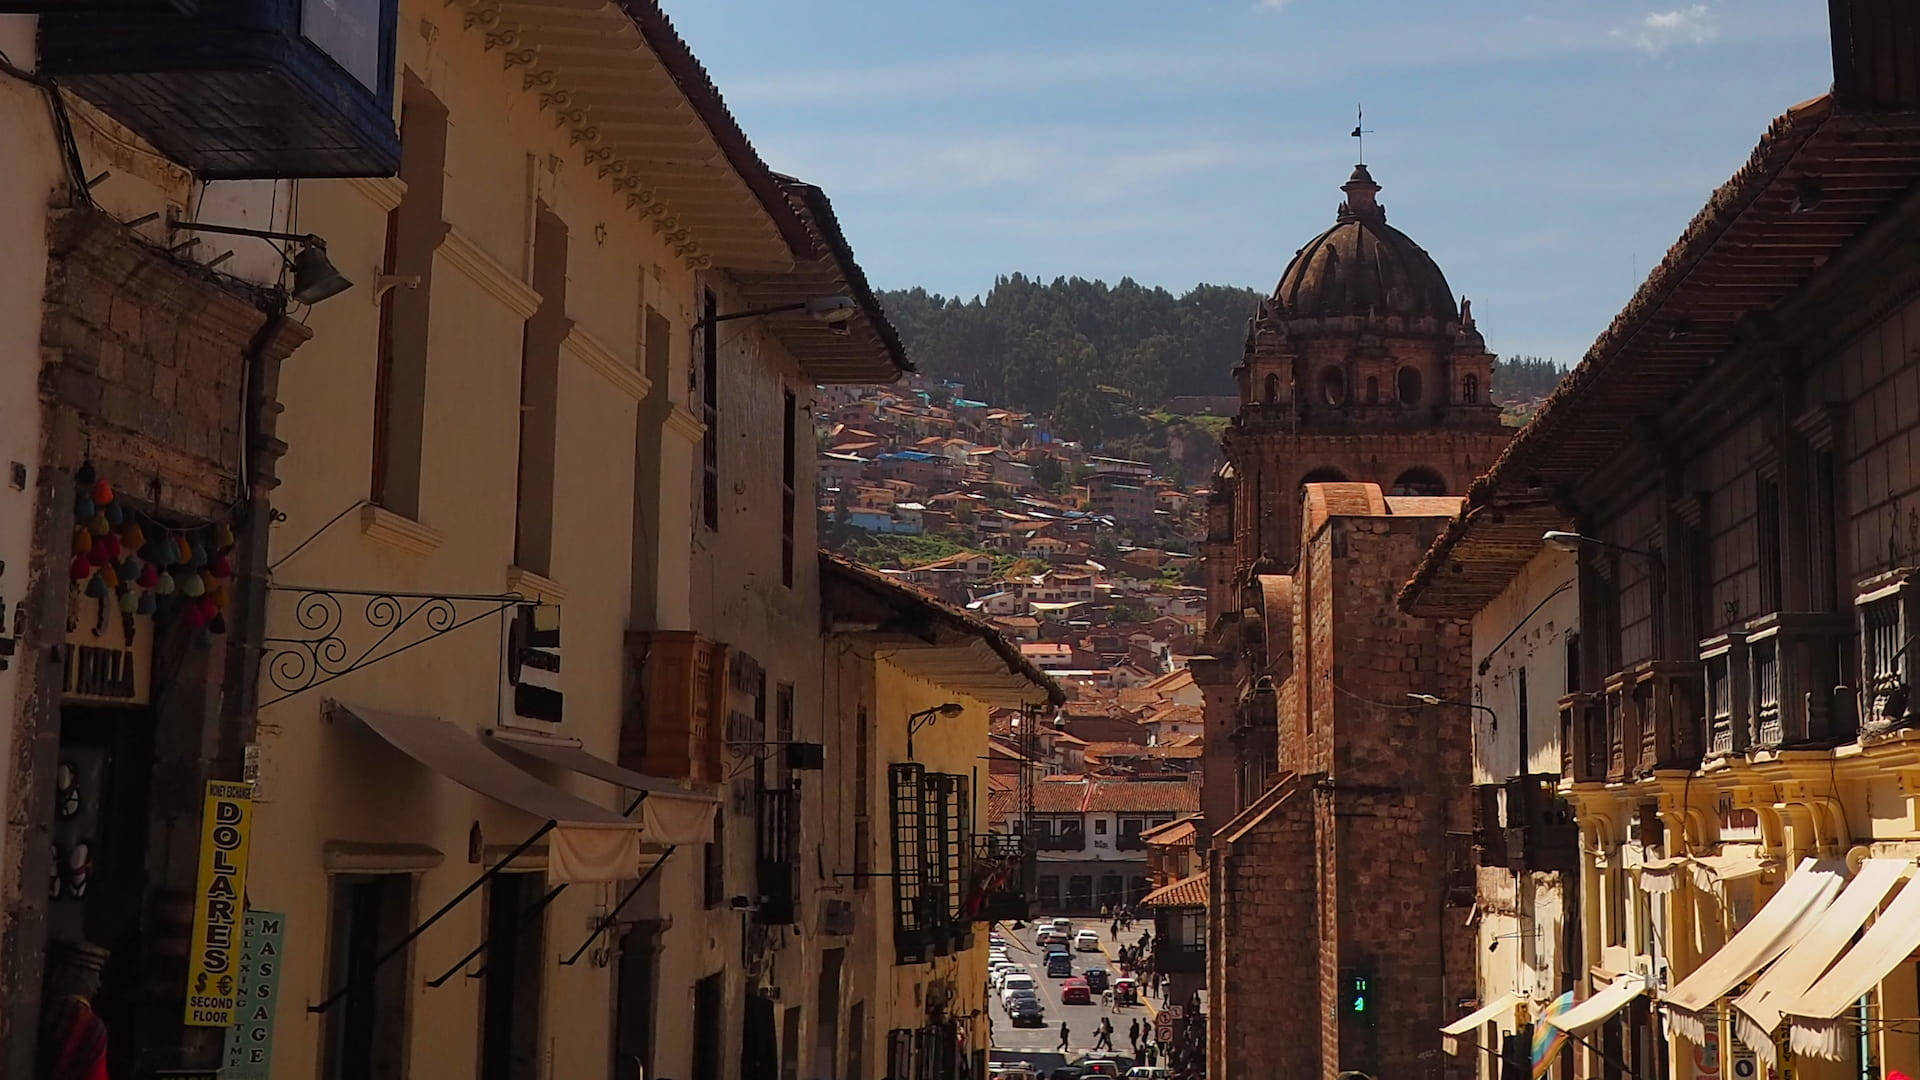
(1081, 1020)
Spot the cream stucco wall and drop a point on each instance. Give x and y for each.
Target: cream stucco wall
(320, 785)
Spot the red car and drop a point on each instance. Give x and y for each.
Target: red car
(1074, 992)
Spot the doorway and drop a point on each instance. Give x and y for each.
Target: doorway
(510, 1004)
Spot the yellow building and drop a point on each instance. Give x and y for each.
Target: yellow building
(910, 682)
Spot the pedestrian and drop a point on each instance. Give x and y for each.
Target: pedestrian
(1105, 1038)
(1063, 1036)
(1133, 1034)
(1113, 931)
(1153, 1054)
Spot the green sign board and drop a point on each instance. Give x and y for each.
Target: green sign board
(249, 1054)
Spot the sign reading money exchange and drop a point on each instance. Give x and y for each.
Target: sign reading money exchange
(213, 966)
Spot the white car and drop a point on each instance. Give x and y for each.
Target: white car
(1086, 941)
(1018, 980)
(1063, 926)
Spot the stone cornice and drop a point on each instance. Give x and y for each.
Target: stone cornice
(685, 424)
(399, 531)
(535, 586)
(384, 192)
(489, 273)
(595, 354)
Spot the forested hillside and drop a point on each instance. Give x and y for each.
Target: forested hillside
(1095, 357)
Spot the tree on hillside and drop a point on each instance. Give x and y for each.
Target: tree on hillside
(1523, 378)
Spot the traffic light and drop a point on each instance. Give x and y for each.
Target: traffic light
(1358, 999)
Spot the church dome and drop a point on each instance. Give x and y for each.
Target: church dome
(1363, 266)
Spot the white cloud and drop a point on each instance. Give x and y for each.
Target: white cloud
(1661, 30)
(1272, 5)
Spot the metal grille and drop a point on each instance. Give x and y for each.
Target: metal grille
(908, 783)
(936, 792)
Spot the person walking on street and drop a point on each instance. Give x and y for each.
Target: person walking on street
(1133, 1035)
(1105, 1036)
(1063, 1036)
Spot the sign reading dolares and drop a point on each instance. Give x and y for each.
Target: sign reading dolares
(213, 966)
(249, 1054)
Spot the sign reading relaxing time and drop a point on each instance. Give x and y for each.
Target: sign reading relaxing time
(249, 1054)
(213, 964)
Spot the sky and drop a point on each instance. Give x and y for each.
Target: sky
(1545, 152)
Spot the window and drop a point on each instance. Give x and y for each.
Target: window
(1418, 481)
(1373, 390)
(1470, 390)
(366, 1031)
(1080, 891)
(414, 231)
(790, 449)
(1099, 826)
(1407, 384)
(1049, 892)
(510, 1002)
(714, 861)
(540, 396)
(1822, 553)
(1333, 386)
(635, 994)
(1272, 393)
(710, 410)
(1767, 542)
(709, 1033)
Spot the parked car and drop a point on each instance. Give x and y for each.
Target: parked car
(1017, 1071)
(1149, 1072)
(1059, 965)
(1018, 980)
(1067, 1072)
(1126, 992)
(1043, 936)
(1086, 941)
(1027, 1013)
(1017, 996)
(1096, 978)
(1075, 992)
(1103, 1067)
(1063, 925)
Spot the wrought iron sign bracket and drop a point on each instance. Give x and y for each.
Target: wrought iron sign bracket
(345, 630)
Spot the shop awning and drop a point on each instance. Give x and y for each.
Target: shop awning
(1814, 1019)
(1785, 919)
(1661, 875)
(1714, 870)
(586, 842)
(1757, 1012)
(1467, 1027)
(1599, 1008)
(670, 813)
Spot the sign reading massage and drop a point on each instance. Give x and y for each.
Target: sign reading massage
(249, 1053)
(213, 965)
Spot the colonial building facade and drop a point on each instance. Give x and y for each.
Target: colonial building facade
(1728, 482)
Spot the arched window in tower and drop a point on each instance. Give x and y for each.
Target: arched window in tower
(1272, 389)
(1470, 390)
(1418, 481)
(1326, 474)
(1333, 386)
(1408, 384)
(1373, 390)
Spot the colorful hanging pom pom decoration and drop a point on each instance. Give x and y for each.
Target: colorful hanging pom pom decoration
(179, 578)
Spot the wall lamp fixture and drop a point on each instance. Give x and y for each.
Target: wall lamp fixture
(1429, 699)
(924, 717)
(827, 309)
(1571, 542)
(314, 276)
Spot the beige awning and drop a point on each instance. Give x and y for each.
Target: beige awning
(1714, 870)
(1599, 1008)
(670, 813)
(1813, 1020)
(1468, 1026)
(1661, 875)
(586, 842)
(1756, 1013)
(1785, 919)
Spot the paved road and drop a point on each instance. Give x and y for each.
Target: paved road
(1081, 1019)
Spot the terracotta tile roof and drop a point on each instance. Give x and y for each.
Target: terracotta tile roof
(1002, 803)
(1755, 242)
(1173, 833)
(1174, 713)
(1117, 796)
(1187, 892)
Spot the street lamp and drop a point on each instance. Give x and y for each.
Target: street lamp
(1570, 542)
(832, 310)
(314, 276)
(1429, 699)
(924, 717)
